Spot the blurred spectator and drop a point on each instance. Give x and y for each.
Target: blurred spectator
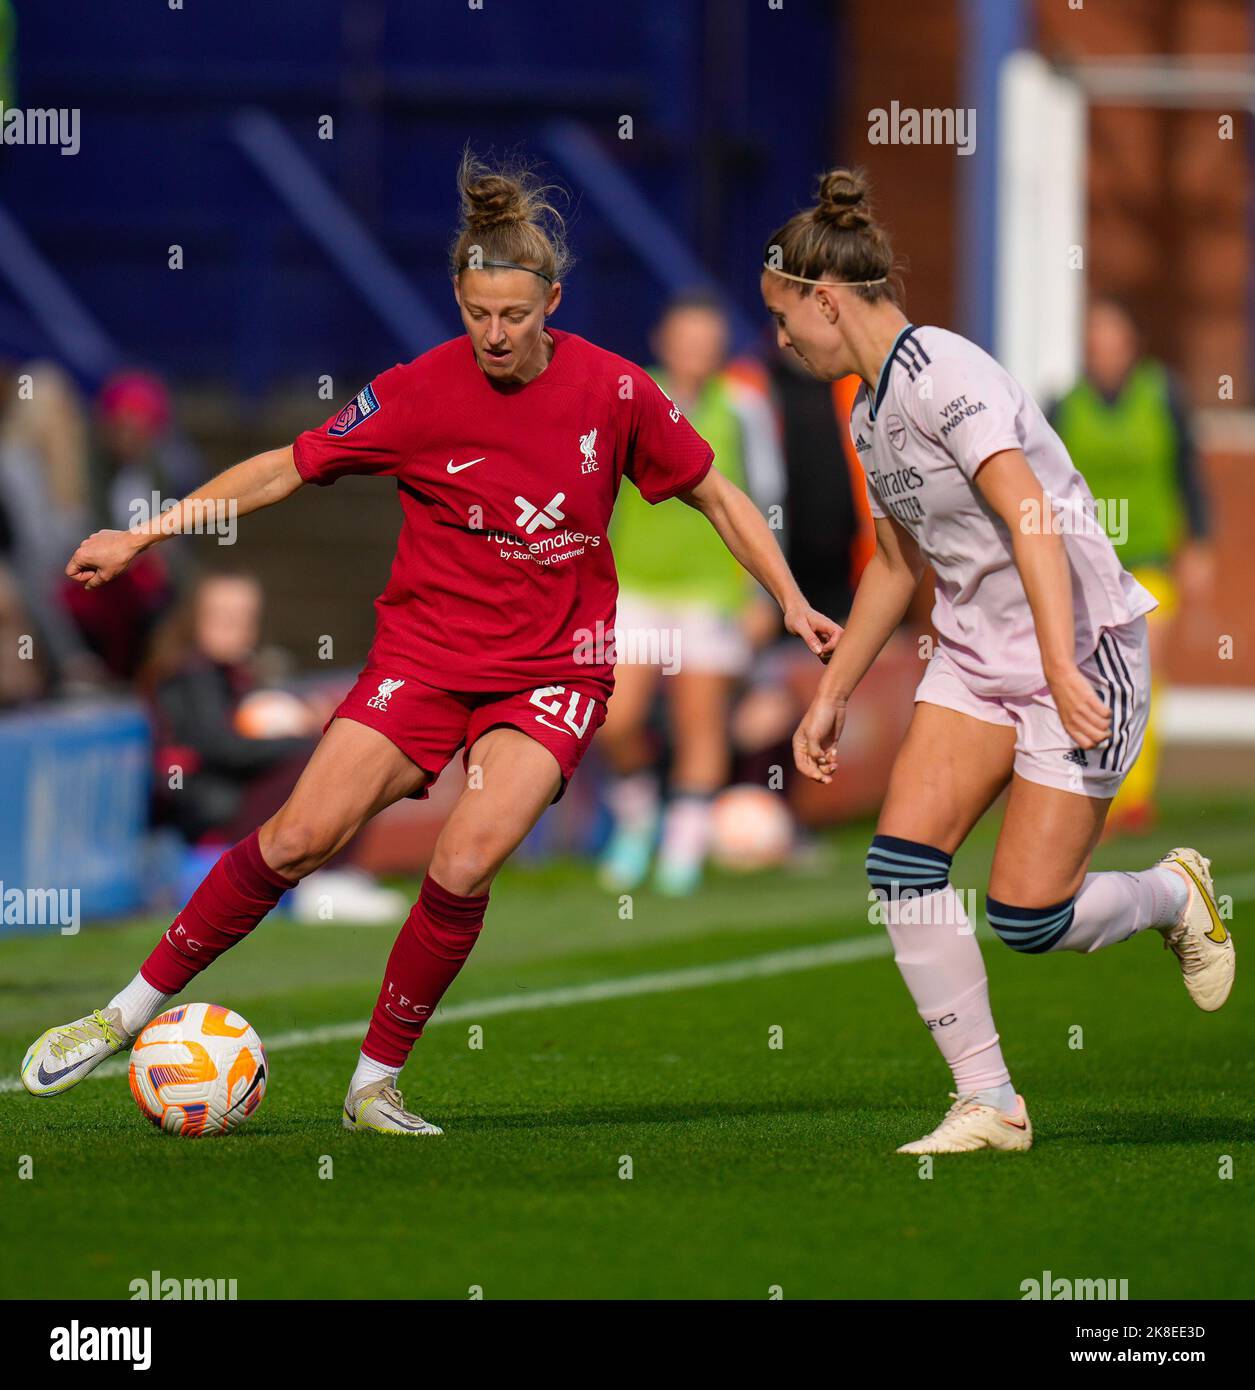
(1126, 426)
(198, 676)
(685, 608)
(828, 532)
(228, 754)
(138, 464)
(43, 495)
(117, 622)
(22, 677)
(136, 450)
(828, 538)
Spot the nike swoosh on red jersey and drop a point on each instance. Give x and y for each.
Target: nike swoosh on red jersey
(461, 466)
(540, 719)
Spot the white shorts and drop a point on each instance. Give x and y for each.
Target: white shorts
(1119, 670)
(679, 637)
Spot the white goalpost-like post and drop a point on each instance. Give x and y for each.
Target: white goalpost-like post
(1042, 169)
(1040, 270)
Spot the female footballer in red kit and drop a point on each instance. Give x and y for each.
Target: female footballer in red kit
(508, 446)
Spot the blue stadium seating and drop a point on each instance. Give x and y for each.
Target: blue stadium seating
(732, 106)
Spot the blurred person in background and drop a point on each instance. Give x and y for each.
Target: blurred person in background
(43, 495)
(1126, 426)
(228, 754)
(826, 511)
(686, 610)
(828, 537)
(136, 450)
(21, 679)
(137, 462)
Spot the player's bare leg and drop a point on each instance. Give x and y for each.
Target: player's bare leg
(634, 794)
(947, 773)
(353, 773)
(512, 779)
(1047, 839)
(518, 779)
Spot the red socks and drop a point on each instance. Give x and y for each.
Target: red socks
(236, 894)
(241, 888)
(433, 945)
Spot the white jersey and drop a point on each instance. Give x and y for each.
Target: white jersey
(943, 406)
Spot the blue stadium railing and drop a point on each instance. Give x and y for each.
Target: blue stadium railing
(63, 322)
(732, 104)
(351, 248)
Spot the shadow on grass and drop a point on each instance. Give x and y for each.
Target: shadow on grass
(1150, 1127)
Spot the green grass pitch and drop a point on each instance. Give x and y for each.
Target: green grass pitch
(753, 1167)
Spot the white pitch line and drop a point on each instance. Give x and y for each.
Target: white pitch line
(658, 982)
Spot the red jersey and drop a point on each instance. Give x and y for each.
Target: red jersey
(503, 576)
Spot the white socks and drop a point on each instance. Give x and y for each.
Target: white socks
(940, 961)
(369, 1071)
(634, 802)
(941, 964)
(138, 1003)
(685, 832)
(1111, 907)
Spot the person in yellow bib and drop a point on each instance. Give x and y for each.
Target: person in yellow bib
(688, 616)
(1127, 428)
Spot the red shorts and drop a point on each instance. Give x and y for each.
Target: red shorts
(430, 725)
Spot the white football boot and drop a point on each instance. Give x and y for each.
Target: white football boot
(380, 1107)
(970, 1124)
(1200, 939)
(62, 1057)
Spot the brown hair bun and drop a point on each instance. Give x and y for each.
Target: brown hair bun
(843, 200)
(507, 216)
(491, 200)
(838, 241)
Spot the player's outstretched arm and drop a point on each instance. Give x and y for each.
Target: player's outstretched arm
(741, 527)
(884, 593)
(260, 481)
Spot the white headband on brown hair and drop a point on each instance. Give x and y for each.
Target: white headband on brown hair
(805, 280)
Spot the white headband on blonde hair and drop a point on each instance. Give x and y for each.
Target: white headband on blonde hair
(805, 280)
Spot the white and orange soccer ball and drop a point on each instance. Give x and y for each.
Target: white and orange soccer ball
(198, 1070)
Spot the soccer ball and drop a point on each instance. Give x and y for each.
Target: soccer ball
(750, 828)
(273, 714)
(197, 1070)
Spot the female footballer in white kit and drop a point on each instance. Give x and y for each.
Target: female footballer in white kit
(1040, 680)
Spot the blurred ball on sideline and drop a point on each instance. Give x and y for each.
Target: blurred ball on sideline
(272, 714)
(750, 828)
(198, 1070)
